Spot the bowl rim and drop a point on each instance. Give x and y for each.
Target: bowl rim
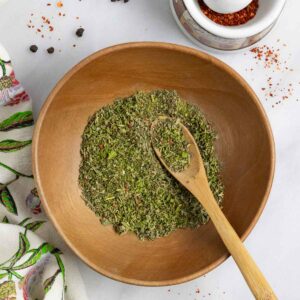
(172, 47)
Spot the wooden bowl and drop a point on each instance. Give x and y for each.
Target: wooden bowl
(245, 148)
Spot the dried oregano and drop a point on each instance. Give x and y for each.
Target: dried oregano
(122, 180)
(168, 138)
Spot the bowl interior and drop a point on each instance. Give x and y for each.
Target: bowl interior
(267, 13)
(244, 146)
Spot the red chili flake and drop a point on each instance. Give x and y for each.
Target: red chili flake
(233, 19)
(48, 4)
(38, 30)
(59, 14)
(59, 4)
(51, 28)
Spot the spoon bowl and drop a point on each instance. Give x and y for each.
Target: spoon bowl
(195, 167)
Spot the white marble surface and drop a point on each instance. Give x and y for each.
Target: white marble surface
(275, 241)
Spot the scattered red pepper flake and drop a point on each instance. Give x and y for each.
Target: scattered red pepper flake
(269, 57)
(59, 4)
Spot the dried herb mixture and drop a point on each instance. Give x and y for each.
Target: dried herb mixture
(168, 138)
(122, 180)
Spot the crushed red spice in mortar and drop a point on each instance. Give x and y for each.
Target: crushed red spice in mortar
(233, 19)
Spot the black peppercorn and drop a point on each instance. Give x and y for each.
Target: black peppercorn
(50, 50)
(79, 32)
(33, 48)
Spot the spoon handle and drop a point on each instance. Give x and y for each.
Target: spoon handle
(252, 274)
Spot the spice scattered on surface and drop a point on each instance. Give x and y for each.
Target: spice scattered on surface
(44, 25)
(50, 50)
(33, 48)
(122, 180)
(79, 32)
(168, 138)
(233, 19)
(277, 90)
(269, 56)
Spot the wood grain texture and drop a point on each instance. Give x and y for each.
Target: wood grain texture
(245, 148)
(194, 178)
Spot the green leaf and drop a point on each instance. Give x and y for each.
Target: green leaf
(8, 201)
(48, 283)
(61, 266)
(14, 171)
(3, 275)
(17, 120)
(35, 256)
(5, 220)
(22, 223)
(34, 226)
(3, 67)
(17, 275)
(13, 145)
(24, 246)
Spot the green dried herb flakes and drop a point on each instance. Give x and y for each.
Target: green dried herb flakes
(168, 138)
(122, 180)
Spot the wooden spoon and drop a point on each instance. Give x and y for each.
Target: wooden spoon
(195, 180)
